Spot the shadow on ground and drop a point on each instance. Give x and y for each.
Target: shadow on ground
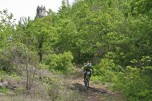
(82, 89)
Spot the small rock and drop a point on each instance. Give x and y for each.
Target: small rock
(1, 84)
(2, 94)
(5, 83)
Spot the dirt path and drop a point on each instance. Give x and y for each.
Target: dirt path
(96, 92)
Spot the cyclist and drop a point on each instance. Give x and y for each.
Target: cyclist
(87, 68)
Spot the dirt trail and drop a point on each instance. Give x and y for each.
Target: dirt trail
(96, 92)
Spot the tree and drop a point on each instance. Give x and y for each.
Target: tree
(40, 34)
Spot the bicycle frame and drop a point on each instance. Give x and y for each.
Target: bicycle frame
(87, 78)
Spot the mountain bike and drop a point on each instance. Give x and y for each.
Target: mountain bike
(87, 78)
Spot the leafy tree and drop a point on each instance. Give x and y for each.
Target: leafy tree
(40, 34)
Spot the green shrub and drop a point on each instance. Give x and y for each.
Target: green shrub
(60, 62)
(4, 90)
(13, 58)
(106, 71)
(133, 83)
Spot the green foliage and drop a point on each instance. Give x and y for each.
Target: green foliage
(141, 6)
(60, 62)
(6, 28)
(4, 90)
(113, 34)
(15, 57)
(133, 83)
(144, 61)
(39, 35)
(106, 71)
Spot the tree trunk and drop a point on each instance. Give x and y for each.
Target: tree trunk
(27, 72)
(27, 77)
(40, 49)
(40, 55)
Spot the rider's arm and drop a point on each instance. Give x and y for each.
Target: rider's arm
(92, 69)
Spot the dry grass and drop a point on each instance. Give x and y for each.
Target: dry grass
(55, 87)
(48, 88)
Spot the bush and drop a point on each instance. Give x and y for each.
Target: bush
(133, 83)
(12, 58)
(106, 71)
(60, 62)
(4, 90)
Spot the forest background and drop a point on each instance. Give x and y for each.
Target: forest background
(115, 35)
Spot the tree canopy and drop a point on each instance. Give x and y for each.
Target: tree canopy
(116, 35)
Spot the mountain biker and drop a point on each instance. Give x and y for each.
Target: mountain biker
(87, 68)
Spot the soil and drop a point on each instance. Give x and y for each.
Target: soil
(95, 92)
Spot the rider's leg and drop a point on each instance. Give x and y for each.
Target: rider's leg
(90, 73)
(85, 73)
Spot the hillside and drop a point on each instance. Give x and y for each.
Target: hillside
(39, 58)
(55, 87)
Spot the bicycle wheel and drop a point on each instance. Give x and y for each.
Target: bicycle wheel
(86, 81)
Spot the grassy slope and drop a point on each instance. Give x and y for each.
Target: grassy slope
(55, 87)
